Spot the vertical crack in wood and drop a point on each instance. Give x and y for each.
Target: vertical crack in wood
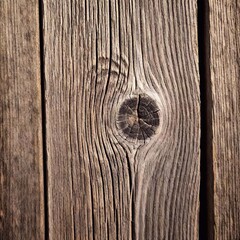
(206, 228)
(69, 113)
(42, 72)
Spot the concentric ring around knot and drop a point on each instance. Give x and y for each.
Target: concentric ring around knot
(138, 117)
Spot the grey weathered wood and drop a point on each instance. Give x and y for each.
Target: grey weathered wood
(21, 162)
(225, 81)
(98, 54)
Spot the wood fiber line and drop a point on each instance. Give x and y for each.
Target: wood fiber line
(225, 81)
(21, 161)
(104, 184)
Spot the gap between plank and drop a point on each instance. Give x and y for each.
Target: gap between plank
(206, 221)
(45, 168)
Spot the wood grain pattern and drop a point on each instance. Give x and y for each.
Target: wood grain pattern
(98, 54)
(21, 178)
(225, 81)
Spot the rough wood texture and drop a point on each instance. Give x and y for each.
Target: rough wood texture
(21, 178)
(101, 184)
(225, 80)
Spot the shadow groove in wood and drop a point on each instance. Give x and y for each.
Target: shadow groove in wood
(206, 223)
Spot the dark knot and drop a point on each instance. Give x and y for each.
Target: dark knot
(138, 117)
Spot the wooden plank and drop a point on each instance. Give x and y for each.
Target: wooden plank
(21, 178)
(105, 182)
(224, 70)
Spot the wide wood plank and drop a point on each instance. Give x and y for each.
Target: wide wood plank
(114, 171)
(21, 178)
(225, 81)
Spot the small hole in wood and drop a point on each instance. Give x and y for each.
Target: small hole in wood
(138, 117)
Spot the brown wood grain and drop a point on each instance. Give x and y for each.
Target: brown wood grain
(101, 183)
(225, 81)
(21, 178)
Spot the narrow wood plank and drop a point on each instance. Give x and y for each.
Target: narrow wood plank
(114, 175)
(225, 81)
(21, 178)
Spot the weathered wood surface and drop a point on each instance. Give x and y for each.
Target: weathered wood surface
(21, 168)
(98, 54)
(225, 81)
